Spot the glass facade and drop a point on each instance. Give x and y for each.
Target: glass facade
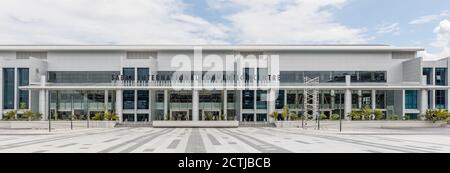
(24, 80)
(440, 99)
(128, 74)
(441, 76)
(128, 99)
(261, 99)
(428, 73)
(8, 88)
(143, 74)
(411, 99)
(142, 99)
(333, 76)
(248, 99)
(279, 102)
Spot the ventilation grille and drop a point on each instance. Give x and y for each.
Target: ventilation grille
(27, 55)
(140, 55)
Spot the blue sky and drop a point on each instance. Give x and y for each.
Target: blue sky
(422, 23)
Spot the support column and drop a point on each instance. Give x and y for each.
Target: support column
(166, 105)
(360, 99)
(135, 103)
(433, 99)
(195, 106)
(348, 98)
(225, 104)
(423, 101)
(16, 91)
(1, 92)
(374, 99)
(119, 105)
(150, 105)
(106, 101)
(333, 96)
(271, 101)
(42, 99)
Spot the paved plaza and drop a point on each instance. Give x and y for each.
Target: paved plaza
(225, 140)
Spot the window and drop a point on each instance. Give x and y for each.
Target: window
(279, 102)
(261, 117)
(262, 74)
(142, 99)
(81, 76)
(441, 76)
(248, 99)
(23, 94)
(143, 74)
(440, 99)
(128, 74)
(427, 72)
(411, 99)
(261, 99)
(128, 99)
(8, 88)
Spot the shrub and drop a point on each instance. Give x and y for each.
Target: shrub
(448, 120)
(335, 117)
(436, 115)
(32, 115)
(378, 114)
(285, 112)
(355, 115)
(323, 116)
(111, 116)
(275, 115)
(11, 115)
(98, 116)
(293, 116)
(366, 113)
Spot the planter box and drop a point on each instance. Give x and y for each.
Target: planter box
(362, 124)
(55, 124)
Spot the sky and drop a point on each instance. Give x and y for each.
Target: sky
(412, 23)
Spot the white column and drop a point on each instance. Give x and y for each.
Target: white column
(333, 96)
(119, 106)
(423, 101)
(373, 99)
(135, 104)
(271, 101)
(1, 92)
(360, 99)
(195, 106)
(149, 105)
(106, 101)
(16, 90)
(42, 99)
(348, 98)
(166, 104)
(225, 104)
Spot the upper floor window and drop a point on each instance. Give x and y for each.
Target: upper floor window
(128, 74)
(441, 76)
(428, 72)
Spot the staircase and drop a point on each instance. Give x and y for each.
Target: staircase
(256, 124)
(133, 124)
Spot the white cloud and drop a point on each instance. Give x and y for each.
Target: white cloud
(287, 21)
(441, 42)
(100, 21)
(429, 18)
(393, 28)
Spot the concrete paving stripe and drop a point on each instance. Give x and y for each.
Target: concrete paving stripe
(110, 140)
(173, 144)
(66, 145)
(360, 142)
(213, 140)
(40, 151)
(241, 137)
(128, 141)
(195, 143)
(45, 140)
(302, 142)
(145, 140)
